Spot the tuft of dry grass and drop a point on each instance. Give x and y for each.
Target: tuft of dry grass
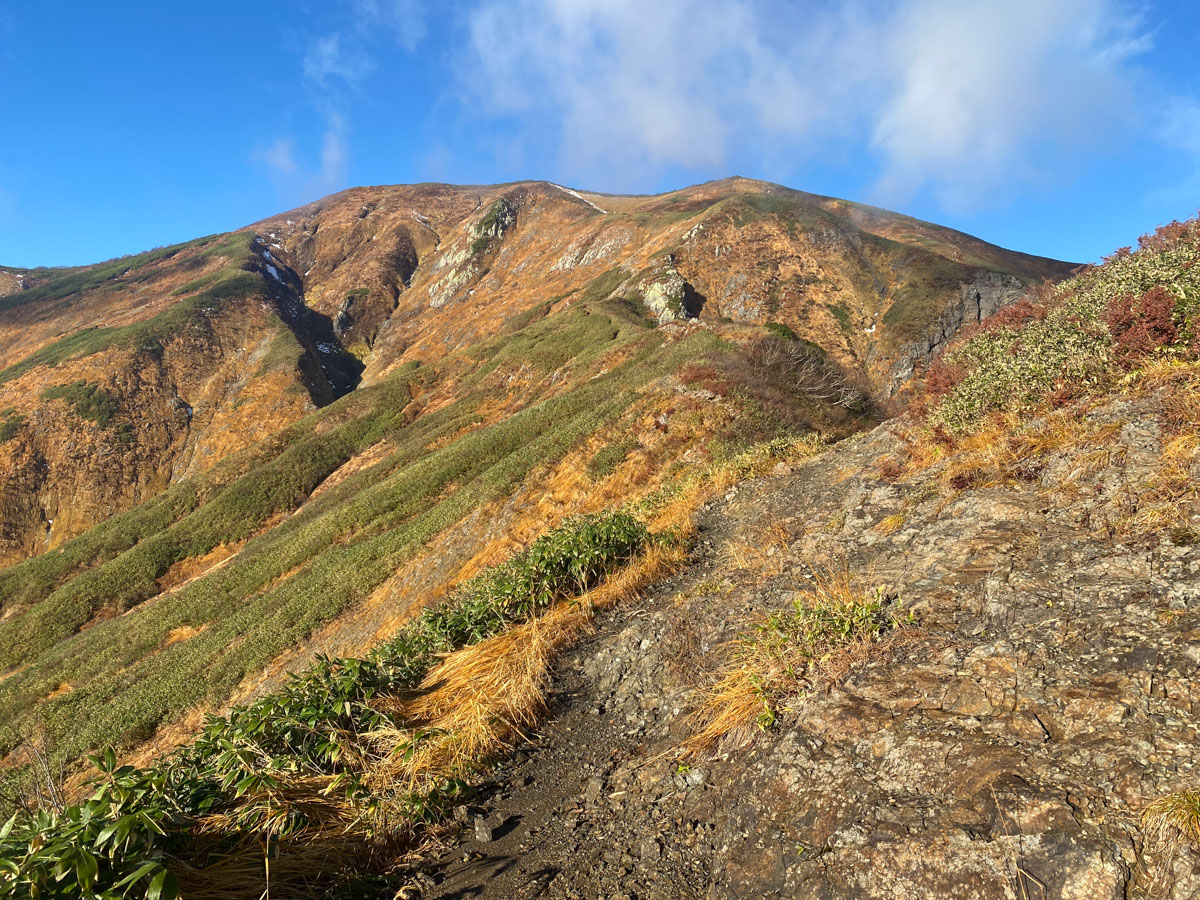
(891, 524)
(765, 554)
(1170, 824)
(830, 630)
(1174, 818)
(184, 633)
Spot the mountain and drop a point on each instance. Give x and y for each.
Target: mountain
(138, 373)
(500, 541)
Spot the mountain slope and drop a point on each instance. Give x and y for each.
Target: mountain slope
(121, 379)
(951, 656)
(166, 362)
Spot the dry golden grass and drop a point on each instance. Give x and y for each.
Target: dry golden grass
(790, 657)
(1174, 817)
(764, 554)
(184, 633)
(891, 524)
(478, 701)
(1009, 449)
(1170, 824)
(731, 708)
(482, 699)
(63, 688)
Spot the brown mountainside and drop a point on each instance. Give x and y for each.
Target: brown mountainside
(121, 378)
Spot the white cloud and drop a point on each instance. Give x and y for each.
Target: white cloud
(1179, 130)
(335, 155)
(404, 20)
(325, 61)
(982, 88)
(298, 182)
(669, 82)
(958, 96)
(279, 156)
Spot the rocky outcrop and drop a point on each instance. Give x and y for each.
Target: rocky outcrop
(974, 301)
(669, 298)
(1003, 748)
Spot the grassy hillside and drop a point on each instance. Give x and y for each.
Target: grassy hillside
(1080, 337)
(101, 644)
(312, 769)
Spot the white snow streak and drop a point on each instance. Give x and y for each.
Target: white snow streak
(579, 196)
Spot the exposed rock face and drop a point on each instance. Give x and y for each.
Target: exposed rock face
(1003, 750)
(985, 294)
(669, 297)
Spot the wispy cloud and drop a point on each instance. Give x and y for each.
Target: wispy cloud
(1181, 125)
(334, 65)
(279, 156)
(326, 62)
(953, 96)
(403, 20)
(297, 181)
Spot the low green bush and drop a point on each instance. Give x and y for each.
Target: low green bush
(89, 401)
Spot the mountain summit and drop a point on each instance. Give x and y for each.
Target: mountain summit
(137, 373)
(519, 541)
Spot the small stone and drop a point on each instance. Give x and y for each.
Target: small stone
(650, 849)
(483, 831)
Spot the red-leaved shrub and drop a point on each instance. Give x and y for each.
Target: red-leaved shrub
(1171, 235)
(942, 378)
(1142, 324)
(943, 437)
(1015, 315)
(705, 377)
(889, 469)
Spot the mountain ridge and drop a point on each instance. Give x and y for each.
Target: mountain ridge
(547, 466)
(375, 278)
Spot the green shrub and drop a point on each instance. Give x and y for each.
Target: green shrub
(11, 426)
(842, 314)
(781, 330)
(1012, 367)
(90, 401)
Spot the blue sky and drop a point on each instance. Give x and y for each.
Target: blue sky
(1062, 128)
